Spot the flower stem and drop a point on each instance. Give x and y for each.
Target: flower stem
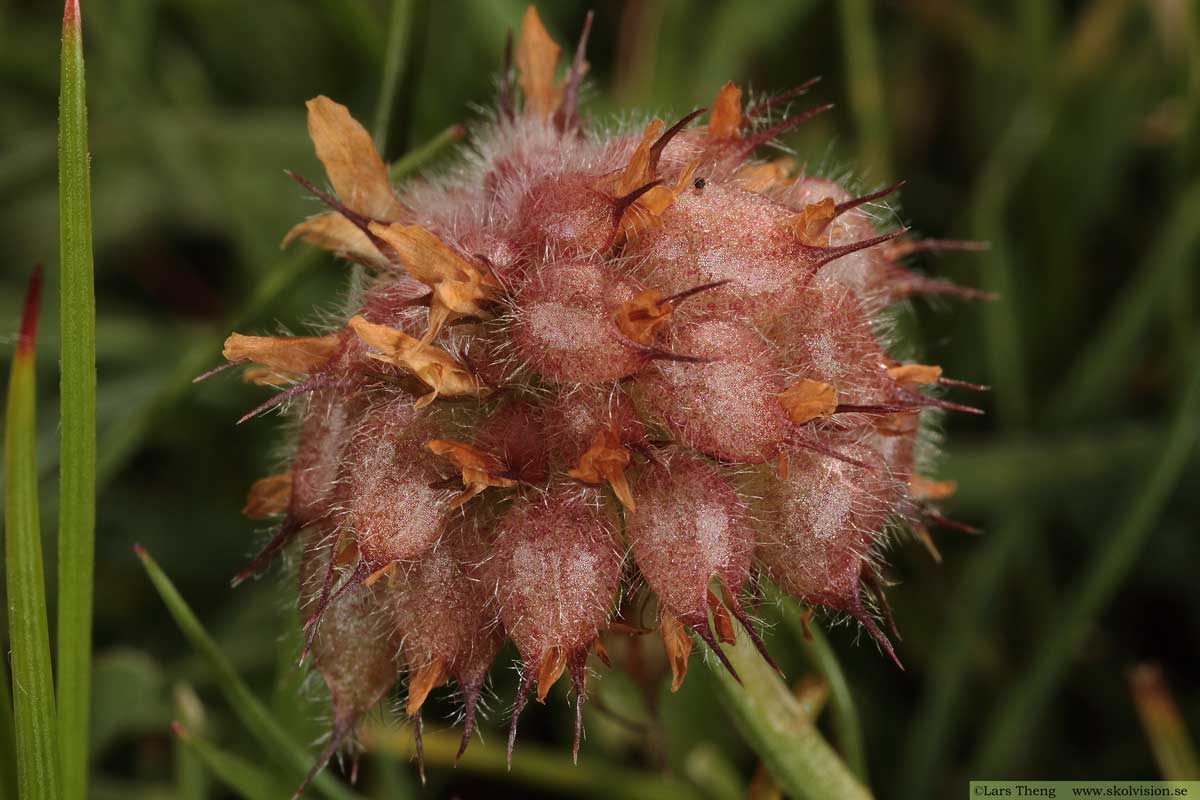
(775, 726)
(824, 663)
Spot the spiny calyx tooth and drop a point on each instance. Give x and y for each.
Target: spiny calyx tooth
(432, 365)
(637, 179)
(641, 316)
(647, 210)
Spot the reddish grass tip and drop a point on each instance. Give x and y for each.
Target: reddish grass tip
(71, 15)
(27, 338)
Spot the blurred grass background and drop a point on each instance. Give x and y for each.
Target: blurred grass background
(1065, 133)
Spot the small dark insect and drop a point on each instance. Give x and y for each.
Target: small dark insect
(700, 183)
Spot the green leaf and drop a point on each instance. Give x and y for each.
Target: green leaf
(33, 682)
(77, 455)
(1031, 125)
(258, 721)
(776, 726)
(240, 775)
(1018, 712)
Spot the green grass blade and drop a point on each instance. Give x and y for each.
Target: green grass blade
(33, 682)
(393, 69)
(846, 729)
(1018, 713)
(8, 742)
(191, 777)
(77, 459)
(733, 39)
(866, 89)
(972, 607)
(258, 721)
(1111, 351)
(240, 775)
(775, 725)
(415, 159)
(1049, 470)
(1012, 156)
(1164, 725)
(548, 770)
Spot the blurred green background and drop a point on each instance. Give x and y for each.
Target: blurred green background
(1065, 133)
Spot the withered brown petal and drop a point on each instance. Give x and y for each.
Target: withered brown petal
(806, 400)
(915, 373)
(537, 59)
(726, 119)
(351, 161)
(332, 231)
(268, 496)
(810, 225)
(679, 648)
(295, 354)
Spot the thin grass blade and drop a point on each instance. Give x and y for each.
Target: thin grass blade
(1110, 352)
(191, 776)
(253, 714)
(418, 157)
(239, 774)
(532, 765)
(1163, 724)
(8, 742)
(395, 53)
(1018, 712)
(77, 458)
(29, 635)
(866, 90)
